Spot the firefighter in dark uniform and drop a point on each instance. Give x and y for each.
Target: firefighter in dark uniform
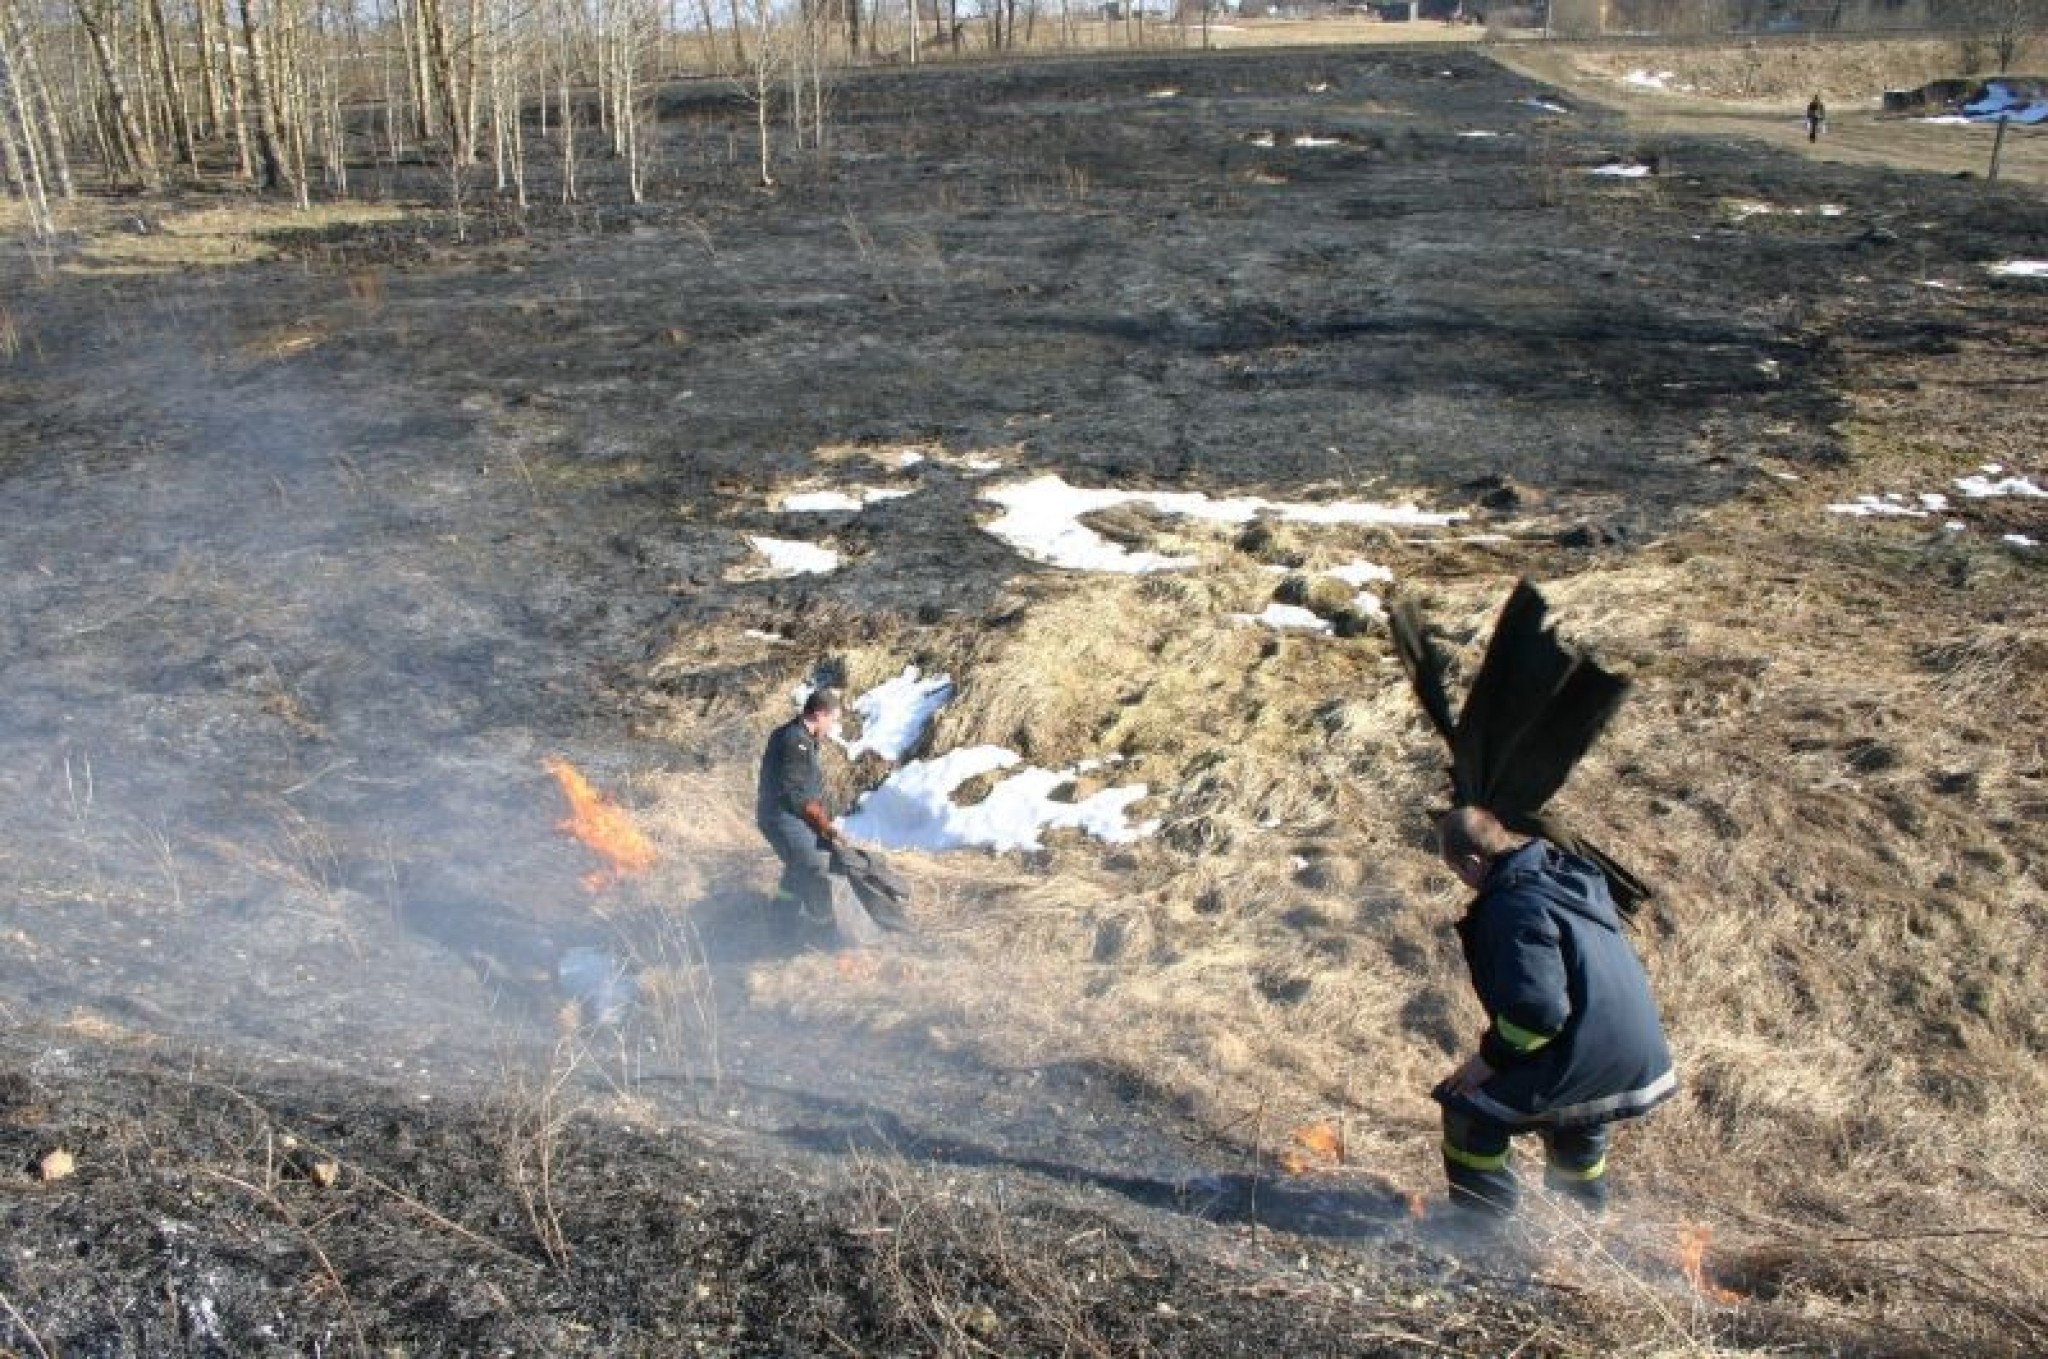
(1573, 1040)
(790, 810)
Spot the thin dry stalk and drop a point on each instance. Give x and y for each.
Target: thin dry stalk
(21, 1322)
(285, 1215)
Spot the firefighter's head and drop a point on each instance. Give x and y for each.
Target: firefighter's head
(821, 712)
(1470, 839)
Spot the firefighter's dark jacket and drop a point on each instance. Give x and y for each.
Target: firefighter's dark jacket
(1573, 1034)
(790, 775)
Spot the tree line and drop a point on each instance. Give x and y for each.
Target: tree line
(287, 95)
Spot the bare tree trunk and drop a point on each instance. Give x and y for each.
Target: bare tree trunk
(262, 87)
(237, 104)
(18, 143)
(174, 87)
(434, 26)
(567, 118)
(18, 50)
(209, 79)
(133, 147)
(472, 62)
(412, 28)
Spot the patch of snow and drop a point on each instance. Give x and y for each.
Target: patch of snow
(1479, 132)
(2021, 269)
(1831, 210)
(1263, 140)
(836, 502)
(1285, 617)
(1041, 519)
(1359, 574)
(1621, 170)
(909, 457)
(1876, 507)
(1661, 81)
(983, 464)
(1937, 284)
(895, 713)
(760, 636)
(1933, 500)
(787, 557)
(1746, 210)
(1369, 605)
(1955, 526)
(914, 807)
(1311, 143)
(1546, 105)
(1319, 87)
(2019, 540)
(1984, 488)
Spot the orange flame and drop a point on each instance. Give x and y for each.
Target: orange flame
(603, 826)
(857, 966)
(1315, 1145)
(1693, 1243)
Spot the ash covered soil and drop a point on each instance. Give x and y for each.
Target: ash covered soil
(311, 560)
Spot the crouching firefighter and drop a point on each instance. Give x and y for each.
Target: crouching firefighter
(1573, 1041)
(789, 808)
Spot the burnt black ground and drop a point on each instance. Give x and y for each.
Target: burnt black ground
(308, 562)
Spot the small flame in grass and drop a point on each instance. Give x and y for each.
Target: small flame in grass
(1694, 1241)
(603, 826)
(857, 966)
(1315, 1145)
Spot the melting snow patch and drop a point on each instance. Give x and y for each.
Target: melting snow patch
(1984, 488)
(914, 807)
(1621, 170)
(2021, 269)
(2019, 540)
(1042, 520)
(1878, 507)
(1360, 574)
(1263, 140)
(1479, 132)
(1831, 210)
(833, 502)
(1312, 143)
(1286, 617)
(894, 714)
(761, 636)
(1653, 80)
(790, 558)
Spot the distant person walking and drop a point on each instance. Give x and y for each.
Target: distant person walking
(1816, 119)
(1573, 1042)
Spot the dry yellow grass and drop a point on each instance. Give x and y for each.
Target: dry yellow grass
(1832, 767)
